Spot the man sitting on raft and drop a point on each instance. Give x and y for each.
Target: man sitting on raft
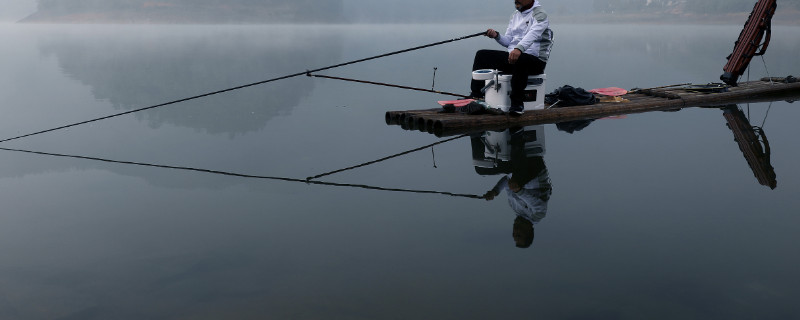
(528, 39)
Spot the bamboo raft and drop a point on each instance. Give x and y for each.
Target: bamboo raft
(640, 101)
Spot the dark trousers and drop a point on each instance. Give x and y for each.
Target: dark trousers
(493, 59)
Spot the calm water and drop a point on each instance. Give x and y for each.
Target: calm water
(652, 216)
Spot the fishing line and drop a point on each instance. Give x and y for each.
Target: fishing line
(385, 158)
(767, 70)
(245, 86)
(766, 115)
(433, 83)
(748, 112)
(748, 72)
(241, 175)
(433, 154)
(387, 85)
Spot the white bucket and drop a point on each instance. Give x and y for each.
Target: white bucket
(483, 74)
(496, 147)
(498, 95)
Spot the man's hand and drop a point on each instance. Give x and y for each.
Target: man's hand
(491, 33)
(514, 56)
(489, 196)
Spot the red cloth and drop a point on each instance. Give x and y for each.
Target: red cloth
(457, 103)
(611, 91)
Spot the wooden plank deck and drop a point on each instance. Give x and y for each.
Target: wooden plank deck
(646, 100)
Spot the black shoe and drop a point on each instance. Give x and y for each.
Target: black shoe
(516, 110)
(495, 111)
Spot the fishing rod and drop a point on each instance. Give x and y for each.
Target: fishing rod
(635, 90)
(244, 86)
(387, 85)
(241, 175)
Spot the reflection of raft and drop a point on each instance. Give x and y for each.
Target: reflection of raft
(645, 100)
(756, 151)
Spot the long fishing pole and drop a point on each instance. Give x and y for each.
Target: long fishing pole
(241, 175)
(388, 85)
(245, 86)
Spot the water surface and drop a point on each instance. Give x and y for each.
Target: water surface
(653, 215)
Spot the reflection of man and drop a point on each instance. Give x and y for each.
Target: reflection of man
(528, 190)
(528, 40)
(528, 184)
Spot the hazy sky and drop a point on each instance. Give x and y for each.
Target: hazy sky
(388, 11)
(14, 10)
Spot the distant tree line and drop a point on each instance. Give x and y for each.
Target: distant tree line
(281, 11)
(274, 10)
(685, 6)
(728, 6)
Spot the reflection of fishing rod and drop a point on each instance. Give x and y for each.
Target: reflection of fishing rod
(246, 85)
(386, 158)
(241, 175)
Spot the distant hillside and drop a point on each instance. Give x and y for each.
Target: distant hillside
(683, 6)
(186, 11)
(380, 11)
(372, 11)
(682, 11)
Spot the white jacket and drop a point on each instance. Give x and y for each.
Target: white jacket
(531, 201)
(530, 32)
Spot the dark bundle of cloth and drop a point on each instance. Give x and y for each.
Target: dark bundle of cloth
(568, 96)
(474, 107)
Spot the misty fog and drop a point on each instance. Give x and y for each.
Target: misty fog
(368, 11)
(17, 10)
(202, 209)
